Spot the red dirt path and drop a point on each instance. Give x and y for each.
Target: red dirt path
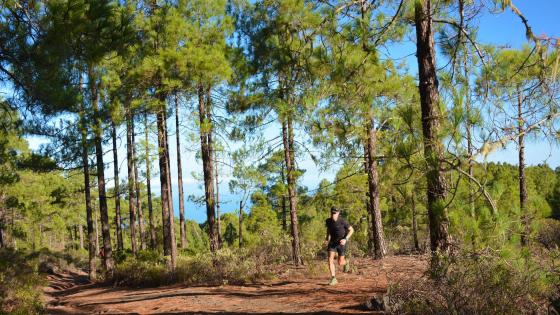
(294, 291)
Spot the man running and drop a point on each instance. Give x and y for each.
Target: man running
(338, 234)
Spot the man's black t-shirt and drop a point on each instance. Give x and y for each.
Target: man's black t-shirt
(337, 229)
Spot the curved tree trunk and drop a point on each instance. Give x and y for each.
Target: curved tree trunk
(433, 149)
(182, 223)
(118, 219)
(205, 116)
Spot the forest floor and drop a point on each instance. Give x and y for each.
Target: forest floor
(301, 290)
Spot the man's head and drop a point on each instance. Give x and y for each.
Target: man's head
(335, 212)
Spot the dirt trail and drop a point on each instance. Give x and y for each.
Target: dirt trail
(295, 291)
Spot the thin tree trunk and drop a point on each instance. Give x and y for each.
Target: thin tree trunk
(166, 212)
(218, 203)
(371, 241)
(414, 223)
(153, 238)
(81, 232)
(433, 149)
(170, 192)
(131, 176)
(240, 223)
(380, 249)
(96, 217)
(118, 219)
(103, 208)
(522, 185)
(287, 136)
(468, 127)
(137, 189)
(204, 111)
(284, 205)
(182, 223)
(87, 192)
(2, 223)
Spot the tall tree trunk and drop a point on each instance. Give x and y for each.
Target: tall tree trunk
(182, 223)
(137, 189)
(131, 176)
(414, 222)
(218, 202)
(205, 116)
(103, 208)
(287, 139)
(380, 249)
(468, 127)
(522, 185)
(433, 149)
(3, 241)
(240, 223)
(96, 222)
(153, 238)
(118, 219)
(284, 205)
(170, 192)
(371, 234)
(81, 233)
(169, 246)
(87, 192)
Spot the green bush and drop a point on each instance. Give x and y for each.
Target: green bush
(19, 283)
(225, 266)
(476, 284)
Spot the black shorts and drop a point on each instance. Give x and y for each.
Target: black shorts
(337, 247)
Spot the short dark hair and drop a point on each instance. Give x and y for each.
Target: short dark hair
(334, 209)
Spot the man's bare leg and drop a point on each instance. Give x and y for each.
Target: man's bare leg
(343, 263)
(332, 268)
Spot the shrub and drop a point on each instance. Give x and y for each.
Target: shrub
(19, 283)
(225, 266)
(475, 284)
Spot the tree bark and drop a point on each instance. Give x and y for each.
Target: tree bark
(118, 219)
(103, 208)
(169, 246)
(81, 233)
(153, 238)
(433, 149)
(3, 241)
(468, 127)
(287, 139)
(137, 189)
(205, 116)
(131, 176)
(182, 223)
(284, 205)
(87, 192)
(240, 223)
(414, 222)
(218, 203)
(379, 246)
(522, 183)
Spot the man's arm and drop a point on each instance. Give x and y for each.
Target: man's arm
(347, 237)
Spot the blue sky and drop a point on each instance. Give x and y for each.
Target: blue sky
(503, 29)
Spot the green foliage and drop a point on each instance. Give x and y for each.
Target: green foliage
(484, 283)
